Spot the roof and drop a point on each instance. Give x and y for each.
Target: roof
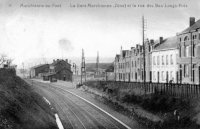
(58, 61)
(37, 66)
(191, 28)
(168, 43)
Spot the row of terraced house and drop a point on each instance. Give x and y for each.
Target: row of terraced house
(175, 59)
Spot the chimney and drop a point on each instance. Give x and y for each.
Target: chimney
(137, 46)
(57, 60)
(66, 60)
(54, 61)
(192, 21)
(132, 48)
(161, 39)
(151, 41)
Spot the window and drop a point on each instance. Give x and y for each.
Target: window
(166, 59)
(163, 63)
(187, 54)
(198, 51)
(194, 37)
(193, 50)
(171, 59)
(185, 49)
(154, 75)
(193, 72)
(167, 76)
(154, 61)
(132, 63)
(171, 75)
(186, 70)
(163, 76)
(158, 60)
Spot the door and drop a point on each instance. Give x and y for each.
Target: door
(167, 77)
(64, 77)
(135, 76)
(150, 76)
(180, 75)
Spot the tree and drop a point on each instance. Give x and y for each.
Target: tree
(9, 62)
(3, 59)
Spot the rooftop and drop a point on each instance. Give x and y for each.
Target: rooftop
(37, 66)
(168, 43)
(191, 28)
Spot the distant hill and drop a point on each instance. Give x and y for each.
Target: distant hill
(91, 67)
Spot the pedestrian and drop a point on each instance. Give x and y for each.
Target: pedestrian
(175, 112)
(176, 115)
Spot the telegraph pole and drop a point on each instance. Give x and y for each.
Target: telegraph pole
(191, 40)
(143, 38)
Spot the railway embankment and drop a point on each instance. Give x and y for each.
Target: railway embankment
(152, 110)
(20, 106)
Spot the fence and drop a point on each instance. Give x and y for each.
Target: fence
(177, 90)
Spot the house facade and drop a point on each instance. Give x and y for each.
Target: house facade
(164, 60)
(175, 58)
(129, 64)
(189, 53)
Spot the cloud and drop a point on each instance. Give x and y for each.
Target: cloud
(65, 45)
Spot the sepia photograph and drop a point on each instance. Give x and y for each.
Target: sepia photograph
(99, 64)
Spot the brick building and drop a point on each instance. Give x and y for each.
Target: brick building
(189, 53)
(38, 70)
(59, 69)
(62, 70)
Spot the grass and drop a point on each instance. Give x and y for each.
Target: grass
(20, 106)
(162, 105)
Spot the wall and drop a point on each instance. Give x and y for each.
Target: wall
(163, 69)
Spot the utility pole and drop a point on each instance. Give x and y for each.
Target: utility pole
(191, 40)
(143, 38)
(83, 71)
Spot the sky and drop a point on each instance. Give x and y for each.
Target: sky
(60, 30)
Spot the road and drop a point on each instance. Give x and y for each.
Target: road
(74, 112)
